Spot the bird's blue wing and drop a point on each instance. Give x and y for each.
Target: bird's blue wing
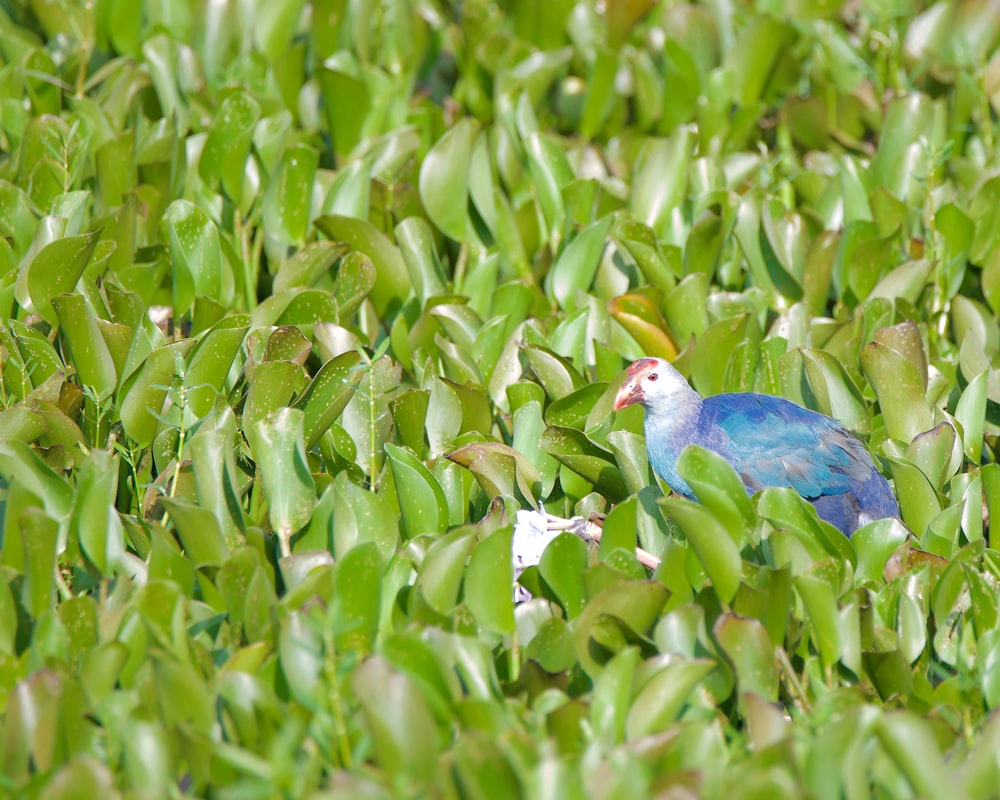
(771, 441)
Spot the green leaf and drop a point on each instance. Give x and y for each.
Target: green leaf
(444, 179)
(577, 264)
(720, 490)
(562, 566)
(142, 396)
(422, 504)
(196, 257)
(52, 271)
(286, 210)
(405, 738)
(278, 445)
(88, 351)
(327, 395)
(488, 581)
(714, 546)
(441, 572)
(40, 533)
(751, 654)
(392, 283)
(95, 522)
(357, 599)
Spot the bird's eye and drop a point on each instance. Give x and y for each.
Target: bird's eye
(653, 376)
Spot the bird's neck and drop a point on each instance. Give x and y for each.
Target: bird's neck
(670, 426)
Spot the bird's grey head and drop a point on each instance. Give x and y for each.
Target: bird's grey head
(652, 382)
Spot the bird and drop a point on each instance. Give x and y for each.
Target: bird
(768, 440)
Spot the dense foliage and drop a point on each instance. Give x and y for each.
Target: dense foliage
(301, 302)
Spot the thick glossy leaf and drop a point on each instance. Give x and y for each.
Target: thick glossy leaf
(327, 395)
(748, 648)
(720, 489)
(287, 203)
(422, 505)
(577, 264)
(196, 256)
(53, 270)
(278, 444)
(444, 179)
(716, 550)
(392, 284)
(405, 735)
(488, 579)
(88, 351)
(95, 522)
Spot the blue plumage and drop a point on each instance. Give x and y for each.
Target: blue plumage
(768, 440)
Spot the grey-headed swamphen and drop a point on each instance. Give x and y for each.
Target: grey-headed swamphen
(769, 441)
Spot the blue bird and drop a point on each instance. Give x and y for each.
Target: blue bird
(768, 440)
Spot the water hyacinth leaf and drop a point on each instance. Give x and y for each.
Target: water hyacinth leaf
(910, 743)
(22, 465)
(350, 192)
(278, 445)
(327, 395)
(935, 453)
(441, 573)
(286, 209)
(145, 392)
(908, 120)
(574, 449)
(574, 410)
(751, 654)
(88, 350)
(53, 270)
(787, 509)
(561, 567)
(500, 470)
(918, 501)
(199, 532)
(900, 390)
(196, 257)
(357, 599)
(39, 537)
(95, 522)
(710, 358)
(640, 317)
(355, 280)
(906, 339)
(576, 266)
(612, 692)
(444, 179)
(661, 182)
(820, 600)
(308, 265)
(272, 385)
(663, 697)
(392, 282)
(488, 580)
(210, 359)
(634, 606)
(556, 375)
(971, 415)
(835, 392)
(423, 506)
(228, 142)
(719, 489)
(406, 741)
(713, 544)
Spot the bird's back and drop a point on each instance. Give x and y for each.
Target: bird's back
(771, 441)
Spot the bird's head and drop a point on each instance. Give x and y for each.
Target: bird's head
(649, 381)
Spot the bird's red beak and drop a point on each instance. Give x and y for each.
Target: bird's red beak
(629, 394)
(631, 391)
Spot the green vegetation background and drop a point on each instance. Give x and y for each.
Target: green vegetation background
(291, 292)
